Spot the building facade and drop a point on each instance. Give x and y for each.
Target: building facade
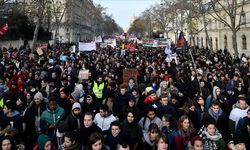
(221, 36)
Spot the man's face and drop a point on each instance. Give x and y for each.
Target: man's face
(87, 121)
(52, 105)
(164, 101)
(215, 108)
(242, 104)
(115, 130)
(123, 91)
(103, 113)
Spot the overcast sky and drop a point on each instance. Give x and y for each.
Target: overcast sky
(123, 10)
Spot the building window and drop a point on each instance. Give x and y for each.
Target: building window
(225, 42)
(216, 43)
(243, 17)
(211, 39)
(202, 42)
(244, 42)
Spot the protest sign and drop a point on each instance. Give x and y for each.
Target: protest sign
(128, 73)
(83, 74)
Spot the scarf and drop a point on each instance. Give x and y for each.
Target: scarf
(215, 115)
(208, 140)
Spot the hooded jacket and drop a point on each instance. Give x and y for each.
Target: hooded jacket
(72, 122)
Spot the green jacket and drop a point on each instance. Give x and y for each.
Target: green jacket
(53, 117)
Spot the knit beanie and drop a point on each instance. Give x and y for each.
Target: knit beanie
(76, 105)
(42, 139)
(238, 139)
(38, 95)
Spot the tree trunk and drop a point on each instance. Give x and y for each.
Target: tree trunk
(235, 44)
(193, 41)
(35, 34)
(206, 32)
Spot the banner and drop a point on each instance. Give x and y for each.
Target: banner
(162, 42)
(103, 45)
(147, 42)
(111, 42)
(155, 42)
(87, 46)
(4, 28)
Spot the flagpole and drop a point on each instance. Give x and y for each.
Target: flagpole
(195, 70)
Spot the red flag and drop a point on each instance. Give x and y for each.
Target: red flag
(181, 43)
(4, 28)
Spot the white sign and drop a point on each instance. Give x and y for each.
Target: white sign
(83, 74)
(168, 48)
(111, 42)
(87, 46)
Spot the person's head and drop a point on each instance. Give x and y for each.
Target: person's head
(52, 103)
(69, 139)
(210, 128)
(99, 79)
(164, 99)
(217, 91)
(167, 120)
(7, 143)
(200, 100)
(123, 89)
(131, 82)
(130, 116)
(8, 107)
(161, 142)
(115, 128)
(88, 119)
(103, 110)
(153, 131)
(95, 141)
(242, 103)
(76, 109)
(196, 142)
(44, 142)
(131, 101)
(152, 94)
(151, 113)
(38, 98)
(89, 99)
(215, 106)
(184, 123)
(63, 93)
(189, 106)
(239, 142)
(122, 146)
(134, 92)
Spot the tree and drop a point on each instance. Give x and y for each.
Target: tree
(162, 16)
(58, 9)
(228, 9)
(138, 27)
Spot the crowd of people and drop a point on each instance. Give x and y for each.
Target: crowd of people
(189, 104)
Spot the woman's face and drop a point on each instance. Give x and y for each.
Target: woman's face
(97, 145)
(6, 144)
(185, 124)
(130, 117)
(165, 123)
(198, 145)
(162, 145)
(48, 145)
(201, 101)
(153, 135)
(211, 129)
